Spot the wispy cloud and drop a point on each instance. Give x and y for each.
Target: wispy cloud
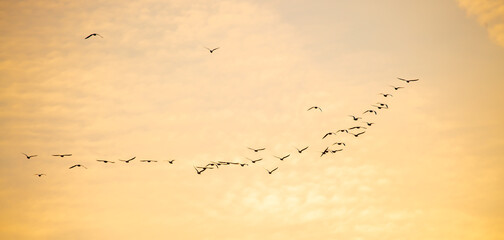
(490, 14)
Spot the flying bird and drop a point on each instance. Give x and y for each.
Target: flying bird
(325, 151)
(270, 172)
(386, 94)
(282, 158)
(129, 160)
(314, 107)
(301, 150)
(356, 135)
(369, 123)
(396, 88)
(212, 50)
(39, 174)
(370, 111)
(170, 161)
(257, 150)
(408, 80)
(339, 143)
(93, 35)
(342, 130)
(198, 171)
(29, 156)
(327, 134)
(148, 161)
(77, 165)
(380, 107)
(62, 155)
(105, 161)
(354, 117)
(382, 104)
(254, 161)
(357, 127)
(243, 164)
(213, 164)
(336, 150)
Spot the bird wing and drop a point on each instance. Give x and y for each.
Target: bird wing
(72, 166)
(214, 49)
(274, 169)
(88, 36)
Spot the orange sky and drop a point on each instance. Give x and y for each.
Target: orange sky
(430, 168)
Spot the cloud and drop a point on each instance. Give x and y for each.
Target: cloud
(490, 14)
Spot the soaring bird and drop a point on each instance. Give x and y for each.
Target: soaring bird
(369, 123)
(396, 88)
(39, 174)
(282, 158)
(342, 130)
(325, 151)
(243, 164)
(356, 135)
(93, 35)
(327, 134)
(339, 143)
(62, 155)
(256, 160)
(408, 80)
(301, 150)
(386, 94)
(212, 50)
(148, 161)
(270, 172)
(105, 161)
(170, 161)
(371, 111)
(213, 164)
(77, 165)
(129, 160)
(380, 107)
(29, 156)
(198, 171)
(357, 127)
(257, 149)
(314, 107)
(382, 104)
(354, 117)
(336, 150)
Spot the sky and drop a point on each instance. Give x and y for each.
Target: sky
(429, 168)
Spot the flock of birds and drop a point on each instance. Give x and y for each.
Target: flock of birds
(355, 131)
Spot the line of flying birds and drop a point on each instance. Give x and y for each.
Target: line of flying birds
(217, 164)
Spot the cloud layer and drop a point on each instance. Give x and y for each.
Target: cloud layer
(490, 14)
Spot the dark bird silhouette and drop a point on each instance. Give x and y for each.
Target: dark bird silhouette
(40, 174)
(77, 165)
(301, 150)
(148, 160)
(129, 160)
(369, 123)
(396, 88)
(62, 155)
(199, 171)
(408, 80)
(257, 150)
(342, 130)
(29, 156)
(270, 172)
(254, 161)
(386, 94)
(356, 135)
(105, 161)
(370, 111)
(93, 35)
(382, 104)
(380, 107)
(357, 127)
(170, 161)
(224, 163)
(213, 164)
(282, 158)
(212, 50)
(336, 150)
(339, 143)
(325, 151)
(354, 117)
(327, 134)
(314, 107)
(243, 164)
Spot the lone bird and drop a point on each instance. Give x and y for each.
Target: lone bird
(170, 161)
(129, 160)
(270, 172)
(370, 111)
(408, 80)
(212, 50)
(243, 164)
(257, 150)
(148, 161)
(386, 94)
(336, 150)
(29, 156)
(382, 104)
(301, 150)
(62, 155)
(77, 165)
(256, 160)
(357, 127)
(327, 134)
(198, 171)
(314, 107)
(339, 143)
(105, 161)
(380, 107)
(369, 123)
(282, 158)
(354, 117)
(93, 35)
(39, 174)
(356, 135)
(342, 130)
(396, 88)
(325, 151)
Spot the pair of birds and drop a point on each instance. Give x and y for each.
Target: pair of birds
(55, 155)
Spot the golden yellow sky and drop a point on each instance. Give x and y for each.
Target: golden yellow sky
(430, 168)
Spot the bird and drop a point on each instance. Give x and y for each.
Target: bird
(212, 50)
(254, 161)
(77, 165)
(170, 161)
(369, 123)
(243, 164)
(282, 158)
(354, 117)
(198, 171)
(29, 156)
(357, 127)
(301, 150)
(62, 155)
(93, 35)
(129, 160)
(105, 161)
(396, 88)
(270, 172)
(342, 130)
(380, 107)
(325, 151)
(40, 174)
(224, 163)
(314, 107)
(408, 80)
(356, 135)
(148, 161)
(336, 150)
(327, 134)
(339, 143)
(382, 104)
(257, 150)
(371, 111)
(386, 94)
(213, 164)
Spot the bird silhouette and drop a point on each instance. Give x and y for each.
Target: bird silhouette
(357, 127)
(380, 107)
(105, 161)
(257, 150)
(62, 155)
(243, 164)
(93, 35)
(396, 88)
(256, 160)
(354, 117)
(199, 171)
(314, 107)
(270, 172)
(370, 111)
(342, 130)
(386, 94)
(301, 150)
(356, 135)
(212, 50)
(40, 174)
(327, 134)
(408, 80)
(170, 161)
(29, 156)
(213, 164)
(282, 158)
(339, 143)
(336, 150)
(325, 151)
(383, 104)
(77, 165)
(129, 160)
(148, 160)
(369, 123)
